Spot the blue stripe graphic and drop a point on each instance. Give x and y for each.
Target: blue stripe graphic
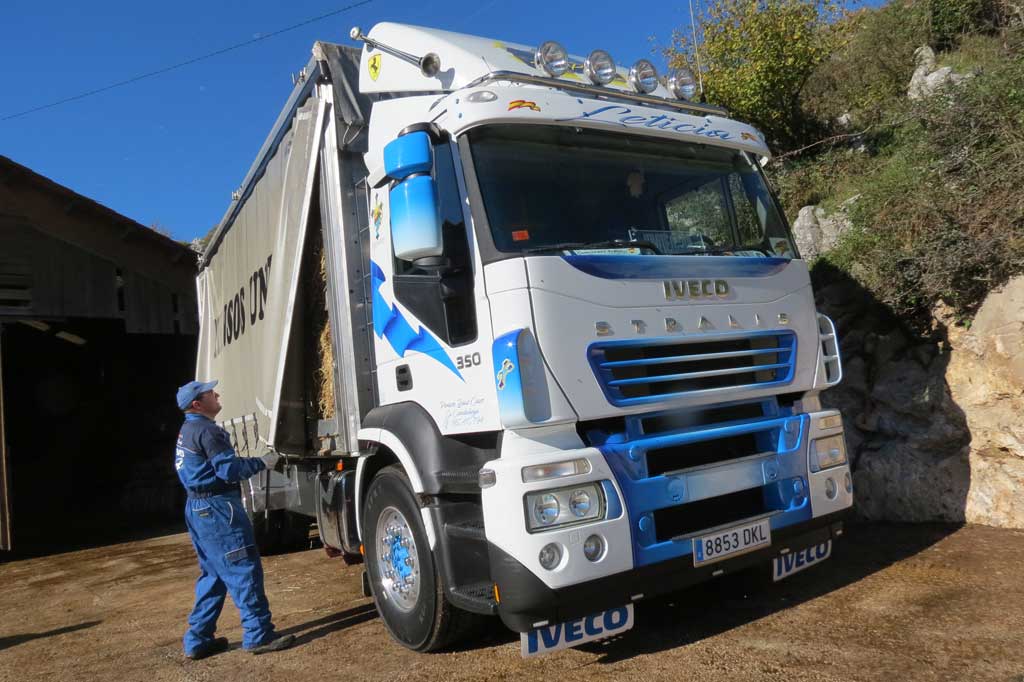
(389, 323)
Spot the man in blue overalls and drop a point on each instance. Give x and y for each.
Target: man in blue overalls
(221, 532)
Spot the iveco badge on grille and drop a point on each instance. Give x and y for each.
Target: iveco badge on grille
(678, 289)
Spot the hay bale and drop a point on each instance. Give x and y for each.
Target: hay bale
(325, 349)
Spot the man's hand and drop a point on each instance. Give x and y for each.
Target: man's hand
(270, 459)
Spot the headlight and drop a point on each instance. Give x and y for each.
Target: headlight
(564, 506)
(551, 57)
(828, 452)
(546, 509)
(643, 77)
(600, 67)
(682, 84)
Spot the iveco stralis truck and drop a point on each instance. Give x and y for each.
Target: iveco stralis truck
(571, 356)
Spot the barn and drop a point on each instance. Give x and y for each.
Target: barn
(98, 327)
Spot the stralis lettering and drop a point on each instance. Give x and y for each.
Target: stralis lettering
(695, 288)
(230, 325)
(623, 116)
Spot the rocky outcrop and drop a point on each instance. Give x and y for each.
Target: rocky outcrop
(935, 427)
(816, 231)
(986, 378)
(928, 78)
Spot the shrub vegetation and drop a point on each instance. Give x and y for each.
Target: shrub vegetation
(940, 213)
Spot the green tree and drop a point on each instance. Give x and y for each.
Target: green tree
(755, 57)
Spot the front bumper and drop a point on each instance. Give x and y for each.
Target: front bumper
(525, 601)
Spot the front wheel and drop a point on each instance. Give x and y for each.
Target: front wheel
(405, 582)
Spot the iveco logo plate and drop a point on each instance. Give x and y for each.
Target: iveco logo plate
(691, 289)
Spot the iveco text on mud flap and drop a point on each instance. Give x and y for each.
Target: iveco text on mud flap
(569, 358)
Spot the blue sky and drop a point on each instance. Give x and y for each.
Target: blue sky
(168, 151)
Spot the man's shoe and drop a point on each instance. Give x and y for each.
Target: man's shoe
(277, 644)
(214, 646)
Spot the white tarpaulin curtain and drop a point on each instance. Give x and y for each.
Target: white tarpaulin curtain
(247, 291)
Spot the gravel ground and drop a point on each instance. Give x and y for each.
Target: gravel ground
(918, 602)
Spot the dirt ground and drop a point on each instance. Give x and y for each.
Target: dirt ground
(894, 602)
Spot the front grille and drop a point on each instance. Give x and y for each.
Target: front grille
(636, 372)
(672, 522)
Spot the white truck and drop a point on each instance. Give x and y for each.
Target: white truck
(573, 354)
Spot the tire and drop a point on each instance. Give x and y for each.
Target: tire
(415, 613)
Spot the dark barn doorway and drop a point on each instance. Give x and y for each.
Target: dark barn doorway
(91, 426)
(98, 328)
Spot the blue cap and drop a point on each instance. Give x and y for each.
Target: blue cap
(191, 390)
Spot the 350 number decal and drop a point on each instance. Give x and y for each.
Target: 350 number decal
(467, 361)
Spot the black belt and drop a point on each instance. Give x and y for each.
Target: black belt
(212, 492)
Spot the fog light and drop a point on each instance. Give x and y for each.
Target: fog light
(552, 57)
(550, 556)
(579, 503)
(682, 84)
(599, 67)
(546, 509)
(831, 489)
(593, 547)
(849, 482)
(643, 77)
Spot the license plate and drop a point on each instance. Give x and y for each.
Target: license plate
(725, 543)
(551, 638)
(794, 562)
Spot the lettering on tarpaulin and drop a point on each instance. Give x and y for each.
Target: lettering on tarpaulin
(234, 319)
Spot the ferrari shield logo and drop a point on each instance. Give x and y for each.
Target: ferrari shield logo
(373, 66)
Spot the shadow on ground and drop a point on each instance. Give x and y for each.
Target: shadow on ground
(15, 640)
(710, 609)
(315, 629)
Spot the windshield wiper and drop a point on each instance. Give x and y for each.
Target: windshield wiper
(608, 244)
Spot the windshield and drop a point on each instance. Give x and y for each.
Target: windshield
(562, 189)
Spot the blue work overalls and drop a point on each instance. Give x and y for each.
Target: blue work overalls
(221, 533)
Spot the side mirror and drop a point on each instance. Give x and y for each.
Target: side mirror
(415, 206)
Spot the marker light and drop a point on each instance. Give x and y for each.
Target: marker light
(682, 84)
(543, 472)
(600, 67)
(643, 77)
(551, 57)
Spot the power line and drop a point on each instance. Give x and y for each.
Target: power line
(164, 70)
